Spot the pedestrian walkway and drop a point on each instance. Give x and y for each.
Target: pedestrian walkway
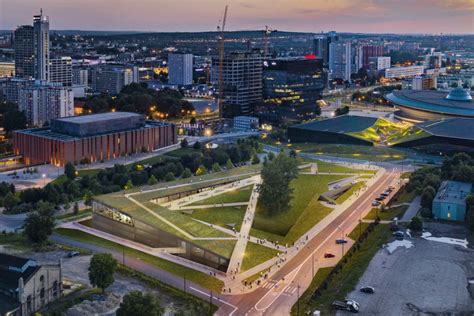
(412, 210)
(192, 207)
(244, 234)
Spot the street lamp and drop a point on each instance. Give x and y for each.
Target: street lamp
(44, 179)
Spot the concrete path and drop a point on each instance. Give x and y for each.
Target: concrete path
(212, 205)
(239, 249)
(412, 210)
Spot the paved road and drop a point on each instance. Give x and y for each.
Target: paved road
(278, 297)
(224, 307)
(414, 207)
(10, 223)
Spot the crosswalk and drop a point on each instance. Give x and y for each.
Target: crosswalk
(290, 290)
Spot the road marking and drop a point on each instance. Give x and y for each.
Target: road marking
(218, 299)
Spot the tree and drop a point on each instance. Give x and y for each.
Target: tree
(136, 303)
(10, 201)
(229, 165)
(255, 159)
(128, 185)
(271, 156)
(192, 121)
(70, 171)
(184, 143)
(101, 270)
(76, 208)
(201, 170)
(216, 167)
(293, 153)
(39, 224)
(88, 198)
(186, 173)
(427, 197)
(152, 180)
(197, 146)
(169, 177)
(275, 191)
(416, 224)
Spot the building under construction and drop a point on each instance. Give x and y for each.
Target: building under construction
(242, 82)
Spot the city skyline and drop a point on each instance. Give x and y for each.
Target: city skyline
(369, 16)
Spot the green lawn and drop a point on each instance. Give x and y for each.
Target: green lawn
(346, 280)
(324, 166)
(256, 254)
(197, 277)
(234, 196)
(305, 211)
(15, 241)
(220, 216)
(178, 153)
(405, 197)
(389, 214)
(343, 197)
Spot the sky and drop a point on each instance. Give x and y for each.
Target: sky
(370, 16)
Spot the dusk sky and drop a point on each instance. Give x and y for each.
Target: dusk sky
(375, 16)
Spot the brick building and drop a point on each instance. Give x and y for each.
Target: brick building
(94, 137)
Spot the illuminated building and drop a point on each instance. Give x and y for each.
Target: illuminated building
(403, 72)
(7, 69)
(340, 60)
(60, 71)
(180, 67)
(294, 84)
(95, 137)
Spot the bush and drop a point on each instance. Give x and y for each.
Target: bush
(416, 224)
(184, 143)
(426, 212)
(197, 146)
(186, 173)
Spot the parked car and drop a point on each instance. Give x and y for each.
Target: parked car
(367, 289)
(399, 235)
(375, 203)
(341, 241)
(394, 227)
(328, 255)
(71, 254)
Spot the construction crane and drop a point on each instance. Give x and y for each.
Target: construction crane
(220, 40)
(266, 34)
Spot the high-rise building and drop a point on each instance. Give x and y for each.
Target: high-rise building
(25, 51)
(321, 45)
(379, 63)
(369, 51)
(11, 87)
(242, 76)
(41, 39)
(111, 80)
(180, 69)
(60, 71)
(424, 83)
(80, 76)
(294, 84)
(340, 60)
(32, 49)
(43, 102)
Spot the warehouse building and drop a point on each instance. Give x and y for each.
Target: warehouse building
(94, 138)
(450, 201)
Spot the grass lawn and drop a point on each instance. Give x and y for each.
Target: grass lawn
(346, 280)
(197, 277)
(256, 254)
(150, 161)
(305, 299)
(234, 196)
(324, 166)
(178, 153)
(305, 211)
(343, 197)
(389, 214)
(81, 173)
(15, 241)
(404, 197)
(220, 216)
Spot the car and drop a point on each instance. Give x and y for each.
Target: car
(399, 235)
(380, 198)
(375, 203)
(384, 194)
(328, 255)
(71, 254)
(367, 289)
(341, 241)
(394, 227)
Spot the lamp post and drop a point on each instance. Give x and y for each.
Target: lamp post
(44, 179)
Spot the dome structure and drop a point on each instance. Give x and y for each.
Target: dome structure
(459, 94)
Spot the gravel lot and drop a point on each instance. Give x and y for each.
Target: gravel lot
(427, 279)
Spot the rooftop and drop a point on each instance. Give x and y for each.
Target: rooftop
(462, 128)
(340, 124)
(454, 192)
(455, 103)
(96, 118)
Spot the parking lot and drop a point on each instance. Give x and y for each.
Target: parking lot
(429, 278)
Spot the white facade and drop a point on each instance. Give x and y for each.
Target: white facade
(44, 102)
(41, 40)
(403, 72)
(340, 60)
(80, 76)
(245, 123)
(381, 63)
(180, 69)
